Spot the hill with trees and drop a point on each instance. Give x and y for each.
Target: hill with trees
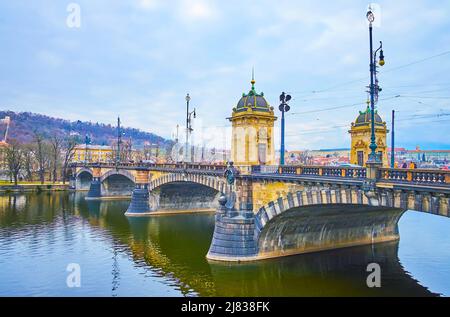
(24, 125)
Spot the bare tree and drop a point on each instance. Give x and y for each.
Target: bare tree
(68, 146)
(14, 159)
(41, 154)
(56, 143)
(28, 161)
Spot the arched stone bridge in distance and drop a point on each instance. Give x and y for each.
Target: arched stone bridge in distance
(279, 210)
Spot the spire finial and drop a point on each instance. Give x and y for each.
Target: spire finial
(253, 78)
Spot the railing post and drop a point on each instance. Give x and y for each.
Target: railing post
(320, 171)
(299, 170)
(344, 172)
(373, 169)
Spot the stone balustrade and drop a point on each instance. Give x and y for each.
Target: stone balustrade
(328, 171)
(411, 176)
(418, 176)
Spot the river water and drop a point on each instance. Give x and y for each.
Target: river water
(41, 234)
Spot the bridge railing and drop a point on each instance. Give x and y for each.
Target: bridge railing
(195, 166)
(186, 166)
(419, 176)
(330, 171)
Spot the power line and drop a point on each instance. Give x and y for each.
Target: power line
(340, 107)
(414, 117)
(382, 72)
(425, 97)
(416, 62)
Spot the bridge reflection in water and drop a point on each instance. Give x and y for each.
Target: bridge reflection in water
(175, 246)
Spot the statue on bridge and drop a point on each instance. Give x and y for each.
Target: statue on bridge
(230, 175)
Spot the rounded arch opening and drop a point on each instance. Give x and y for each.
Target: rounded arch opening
(83, 180)
(184, 195)
(116, 185)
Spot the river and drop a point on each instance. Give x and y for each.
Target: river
(41, 234)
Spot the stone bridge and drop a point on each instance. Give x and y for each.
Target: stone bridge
(278, 210)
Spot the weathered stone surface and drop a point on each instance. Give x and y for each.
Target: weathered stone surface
(139, 201)
(186, 196)
(233, 238)
(117, 185)
(317, 228)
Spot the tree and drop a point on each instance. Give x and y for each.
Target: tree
(14, 159)
(28, 161)
(55, 145)
(68, 146)
(41, 154)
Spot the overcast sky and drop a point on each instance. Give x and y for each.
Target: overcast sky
(139, 58)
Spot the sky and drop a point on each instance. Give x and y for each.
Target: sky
(139, 58)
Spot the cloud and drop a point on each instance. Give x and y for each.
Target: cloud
(197, 11)
(150, 4)
(139, 59)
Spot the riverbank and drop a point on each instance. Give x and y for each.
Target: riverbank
(6, 187)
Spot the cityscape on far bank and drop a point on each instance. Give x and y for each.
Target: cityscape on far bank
(88, 146)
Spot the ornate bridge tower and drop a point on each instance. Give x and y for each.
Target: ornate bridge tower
(360, 134)
(252, 140)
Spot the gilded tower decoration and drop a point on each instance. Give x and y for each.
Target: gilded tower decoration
(253, 130)
(360, 135)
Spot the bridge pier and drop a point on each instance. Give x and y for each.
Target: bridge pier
(234, 235)
(139, 205)
(95, 191)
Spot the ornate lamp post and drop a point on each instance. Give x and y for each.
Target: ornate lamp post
(87, 141)
(188, 127)
(284, 107)
(373, 157)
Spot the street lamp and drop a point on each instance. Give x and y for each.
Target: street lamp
(373, 157)
(87, 141)
(284, 107)
(188, 126)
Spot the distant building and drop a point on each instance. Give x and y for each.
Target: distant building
(418, 155)
(93, 153)
(319, 157)
(360, 132)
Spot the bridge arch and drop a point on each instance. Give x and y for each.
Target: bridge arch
(83, 179)
(308, 198)
(122, 172)
(437, 204)
(317, 219)
(177, 191)
(213, 182)
(117, 183)
(83, 170)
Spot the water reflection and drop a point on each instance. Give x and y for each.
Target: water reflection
(172, 249)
